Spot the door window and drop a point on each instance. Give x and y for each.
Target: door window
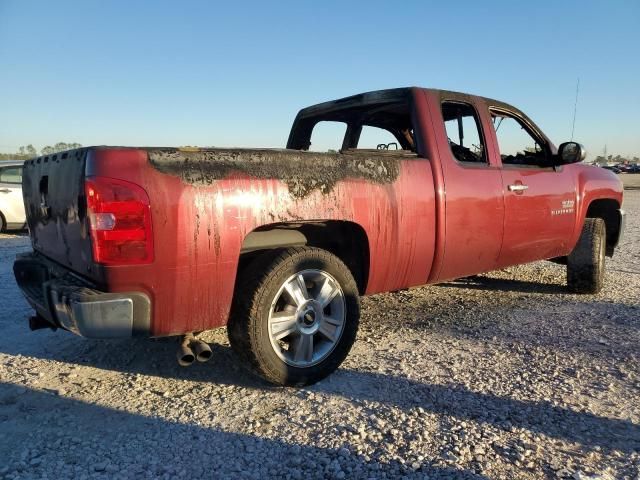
(463, 132)
(517, 144)
(11, 175)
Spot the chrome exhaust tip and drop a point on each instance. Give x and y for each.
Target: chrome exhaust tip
(185, 354)
(202, 350)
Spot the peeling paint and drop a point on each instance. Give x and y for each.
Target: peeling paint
(303, 172)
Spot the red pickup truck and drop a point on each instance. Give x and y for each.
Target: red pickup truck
(423, 186)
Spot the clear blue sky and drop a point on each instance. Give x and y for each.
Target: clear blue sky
(235, 73)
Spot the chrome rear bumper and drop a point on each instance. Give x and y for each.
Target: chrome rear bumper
(67, 301)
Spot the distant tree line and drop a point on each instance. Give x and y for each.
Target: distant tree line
(29, 151)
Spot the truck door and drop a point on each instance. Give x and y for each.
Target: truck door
(474, 210)
(539, 200)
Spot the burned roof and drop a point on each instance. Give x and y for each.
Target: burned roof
(389, 109)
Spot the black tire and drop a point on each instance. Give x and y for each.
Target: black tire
(258, 287)
(3, 223)
(585, 264)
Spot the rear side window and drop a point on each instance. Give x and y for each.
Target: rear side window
(464, 133)
(377, 138)
(327, 136)
(11, 175)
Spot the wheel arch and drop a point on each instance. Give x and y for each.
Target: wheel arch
(608, 210)
(345, 239)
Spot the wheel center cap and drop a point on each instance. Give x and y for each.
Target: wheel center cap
(309, 317)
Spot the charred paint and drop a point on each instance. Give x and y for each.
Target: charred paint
(303, 172)
(53, 192)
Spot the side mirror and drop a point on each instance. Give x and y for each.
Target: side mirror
(570, 152)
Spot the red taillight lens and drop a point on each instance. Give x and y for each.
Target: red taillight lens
(120, 221)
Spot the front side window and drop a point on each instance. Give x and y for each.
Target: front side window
(463, 132)
(11, 175)
(518, 146)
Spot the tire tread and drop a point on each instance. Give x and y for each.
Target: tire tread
(585, 270)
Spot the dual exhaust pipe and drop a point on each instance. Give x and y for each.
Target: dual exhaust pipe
(192, 349)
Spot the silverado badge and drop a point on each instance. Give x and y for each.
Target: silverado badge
(567, 208)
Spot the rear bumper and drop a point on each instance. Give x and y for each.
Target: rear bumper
(70, 302)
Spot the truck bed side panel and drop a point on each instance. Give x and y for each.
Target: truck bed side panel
(200, 221)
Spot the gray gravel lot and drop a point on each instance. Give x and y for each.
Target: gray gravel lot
(503, 375)
(631, 180)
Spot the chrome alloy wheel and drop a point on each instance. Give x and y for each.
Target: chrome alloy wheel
(307, 317)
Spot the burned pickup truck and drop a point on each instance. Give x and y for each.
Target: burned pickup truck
(420, 186)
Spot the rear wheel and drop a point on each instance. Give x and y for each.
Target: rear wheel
(295, 316)
(585, 264)
(3, 223)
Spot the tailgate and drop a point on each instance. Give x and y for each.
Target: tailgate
(55, 204)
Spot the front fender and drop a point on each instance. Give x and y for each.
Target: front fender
(593, 184)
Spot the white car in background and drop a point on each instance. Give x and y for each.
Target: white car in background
(12, 215)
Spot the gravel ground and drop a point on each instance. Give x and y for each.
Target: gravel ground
(503, 375)
(631, 180)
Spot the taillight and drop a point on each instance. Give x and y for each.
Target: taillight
(120, 221)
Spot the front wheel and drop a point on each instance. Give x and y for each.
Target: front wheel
(585, 264)
(295, 316)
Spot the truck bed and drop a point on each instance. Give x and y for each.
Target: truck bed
(204, 204)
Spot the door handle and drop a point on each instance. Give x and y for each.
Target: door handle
(518, 187)
(5, 190)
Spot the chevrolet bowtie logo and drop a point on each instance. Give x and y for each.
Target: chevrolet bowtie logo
(45, 210)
